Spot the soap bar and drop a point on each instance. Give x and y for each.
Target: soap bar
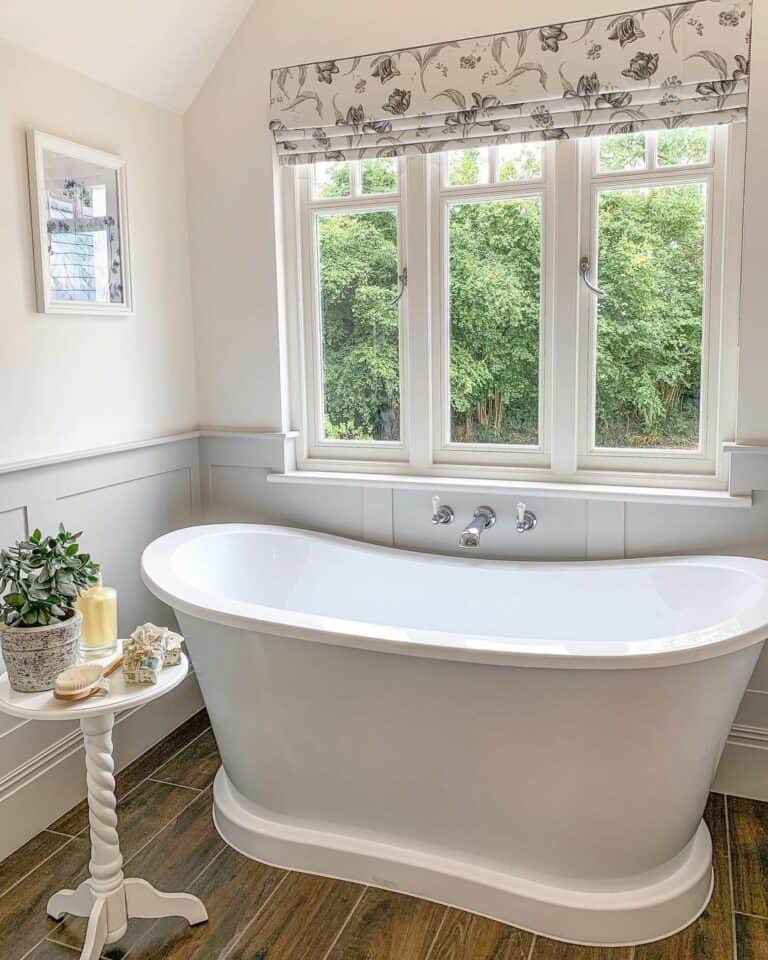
(148, 650)
(172, 654)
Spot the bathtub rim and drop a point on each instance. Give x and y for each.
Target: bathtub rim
(182, 596)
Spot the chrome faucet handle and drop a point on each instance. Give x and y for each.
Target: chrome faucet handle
(441, 514)
(526, 520)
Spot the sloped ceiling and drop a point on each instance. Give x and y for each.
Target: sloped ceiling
(157, 50)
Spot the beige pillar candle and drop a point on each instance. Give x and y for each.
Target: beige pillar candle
(99, 609)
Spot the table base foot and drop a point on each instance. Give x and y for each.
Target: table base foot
(96, 936)
(135, 898)
(78, 903)
(144, 901)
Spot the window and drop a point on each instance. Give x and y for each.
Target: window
(442, 324)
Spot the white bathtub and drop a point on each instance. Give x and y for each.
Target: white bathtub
(534, 742)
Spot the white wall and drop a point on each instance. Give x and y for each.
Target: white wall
(231, 206)
(73, 383)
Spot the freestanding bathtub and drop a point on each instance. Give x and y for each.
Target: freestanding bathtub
(533, 742)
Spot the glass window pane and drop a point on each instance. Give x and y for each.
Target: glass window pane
(519, 162)
(648, 365)
(331, 179)
(622, 151)
(466, 167)
(679, 148)
(379, 175)
(360, 330)
(494, 291)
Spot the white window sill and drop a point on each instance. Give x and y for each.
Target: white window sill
(577, 491)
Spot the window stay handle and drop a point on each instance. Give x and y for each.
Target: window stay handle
(402, 279)
(584, 268)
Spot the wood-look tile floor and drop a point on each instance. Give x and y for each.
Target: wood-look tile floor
(259, 912)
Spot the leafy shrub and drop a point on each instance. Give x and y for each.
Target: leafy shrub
(43, 576)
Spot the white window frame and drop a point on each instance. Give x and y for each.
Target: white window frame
(568, 186)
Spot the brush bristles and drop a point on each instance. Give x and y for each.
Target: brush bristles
(78, 678)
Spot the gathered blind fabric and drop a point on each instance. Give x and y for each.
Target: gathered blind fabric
(680, 65)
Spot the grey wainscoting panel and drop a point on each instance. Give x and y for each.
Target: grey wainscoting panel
(560, 534)
(13, 526)
(654, 530)
(242, 494)
(119, 520)
(122, 499)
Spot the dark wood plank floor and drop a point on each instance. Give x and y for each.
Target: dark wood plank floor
(259, 912)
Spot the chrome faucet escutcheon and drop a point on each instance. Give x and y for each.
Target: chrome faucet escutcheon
(482, 519)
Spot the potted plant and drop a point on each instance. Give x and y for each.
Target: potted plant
(40, 579)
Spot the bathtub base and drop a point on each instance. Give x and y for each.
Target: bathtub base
(627, 916)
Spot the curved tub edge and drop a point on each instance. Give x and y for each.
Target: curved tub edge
(623, 918)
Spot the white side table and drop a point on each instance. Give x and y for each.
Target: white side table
(107, 898)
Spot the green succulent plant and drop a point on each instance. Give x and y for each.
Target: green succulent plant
(40, 579)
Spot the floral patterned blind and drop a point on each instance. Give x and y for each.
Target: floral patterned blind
(684, 64)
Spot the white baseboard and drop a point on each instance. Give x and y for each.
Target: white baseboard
(44, 787)
(743, 770)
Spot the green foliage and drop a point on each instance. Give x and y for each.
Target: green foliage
(684, 146)
(358, 272)
(649, 324)
(651, 264)
(494, 317)
(40, 578)
(622, 151)
(378, 175)
(467, 167)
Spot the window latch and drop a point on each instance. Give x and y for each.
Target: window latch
(402, 279)
(584, 267)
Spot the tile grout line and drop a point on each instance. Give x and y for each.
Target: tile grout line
(135, 786)
(730, 875)
(437, 933)
(141, 783)
(38, 865)
(59, 833)
(228, 950)
(170, 783)
(50, 933)
(344, 925)
(192, 882)
(66, 946)
(743, 913)
(533, 944)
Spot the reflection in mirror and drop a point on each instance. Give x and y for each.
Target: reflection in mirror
(81, 240)
(83, 231)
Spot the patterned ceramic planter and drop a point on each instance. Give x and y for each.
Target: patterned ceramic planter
(35, 656)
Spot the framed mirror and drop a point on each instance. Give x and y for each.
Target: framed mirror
(80, 226)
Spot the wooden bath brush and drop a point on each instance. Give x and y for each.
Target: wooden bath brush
(85, 680)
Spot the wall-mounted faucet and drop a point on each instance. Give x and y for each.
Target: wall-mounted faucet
(526, 520)
(482, 519)
(441, 514)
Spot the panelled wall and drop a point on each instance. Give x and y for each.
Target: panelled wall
(125, 497)
(240, 482)
(122, 500)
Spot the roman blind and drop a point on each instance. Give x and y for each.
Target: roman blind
(664, 67)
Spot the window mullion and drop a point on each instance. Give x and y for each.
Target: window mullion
(567, 245)
(415, 316)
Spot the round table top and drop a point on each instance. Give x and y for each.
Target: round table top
(121, 696)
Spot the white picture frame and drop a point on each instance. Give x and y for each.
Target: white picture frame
(117, 300)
